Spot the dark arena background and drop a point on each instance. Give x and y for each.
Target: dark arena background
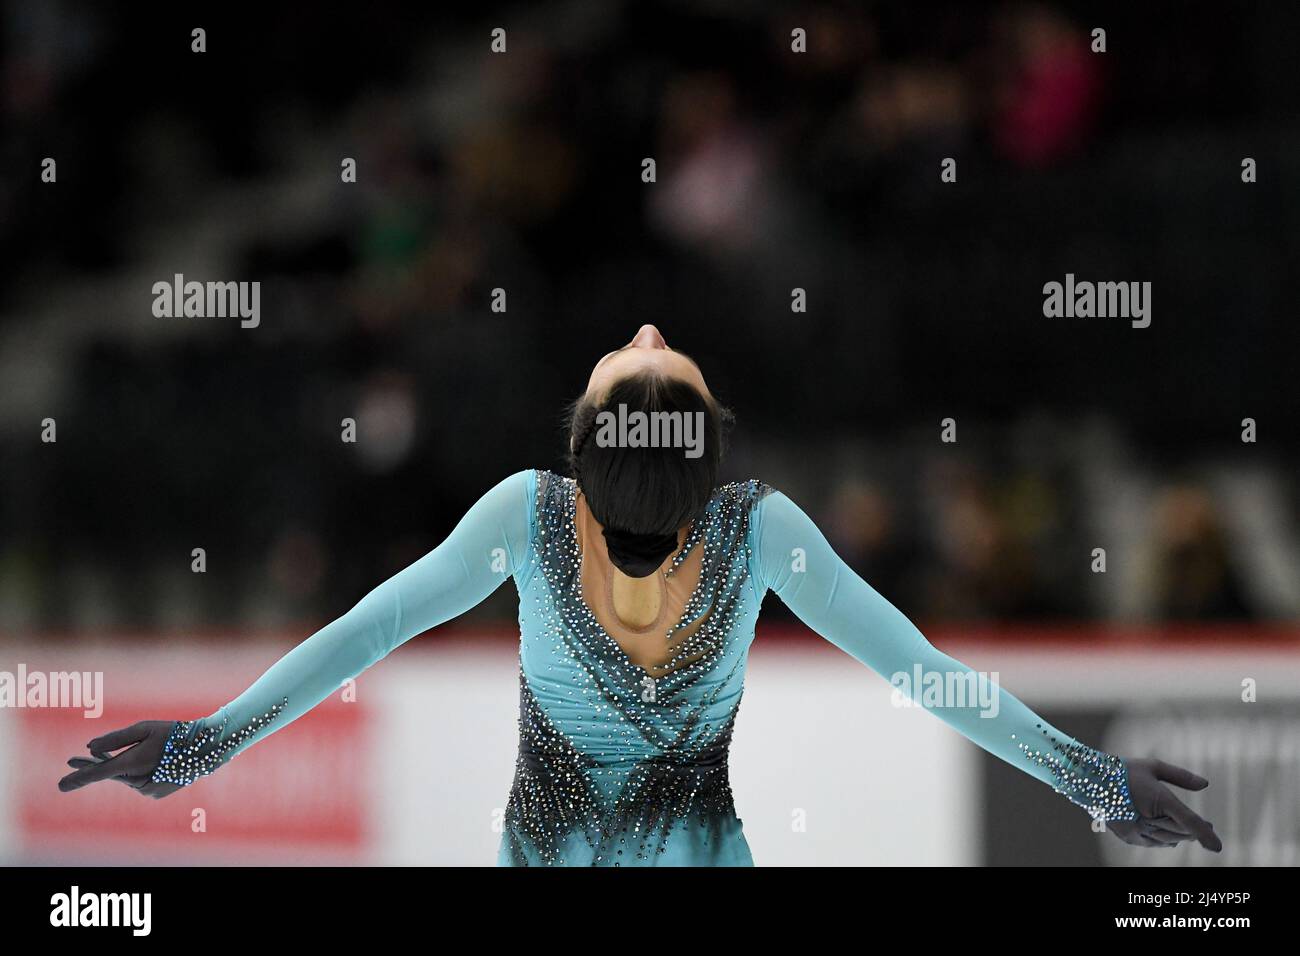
(851, 215)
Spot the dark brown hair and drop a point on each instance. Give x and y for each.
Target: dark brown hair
(642, 496)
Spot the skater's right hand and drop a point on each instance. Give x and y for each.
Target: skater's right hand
(1164, 820)
(133, 766)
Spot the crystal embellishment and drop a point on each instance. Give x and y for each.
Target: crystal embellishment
(192, 750)
(1088, 778)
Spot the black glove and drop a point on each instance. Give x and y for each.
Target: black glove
(134, 766)
(1163, 819)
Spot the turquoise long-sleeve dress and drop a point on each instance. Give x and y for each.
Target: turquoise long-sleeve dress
(616, 768)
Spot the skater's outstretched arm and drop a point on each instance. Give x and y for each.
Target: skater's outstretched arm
(489, 545)
(793, 558)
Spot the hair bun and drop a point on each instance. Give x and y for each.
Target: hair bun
(638, 555)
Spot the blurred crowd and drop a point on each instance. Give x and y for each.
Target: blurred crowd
(1098, 471)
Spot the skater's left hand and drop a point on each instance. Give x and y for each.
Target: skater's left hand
(133, 766)
(1164, 820)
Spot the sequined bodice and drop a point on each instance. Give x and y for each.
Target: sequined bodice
(611, 758)
(615, 766)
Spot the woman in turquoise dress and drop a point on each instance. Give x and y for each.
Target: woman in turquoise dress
(640, 581)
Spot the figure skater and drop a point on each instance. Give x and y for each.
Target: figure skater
(639, 582)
